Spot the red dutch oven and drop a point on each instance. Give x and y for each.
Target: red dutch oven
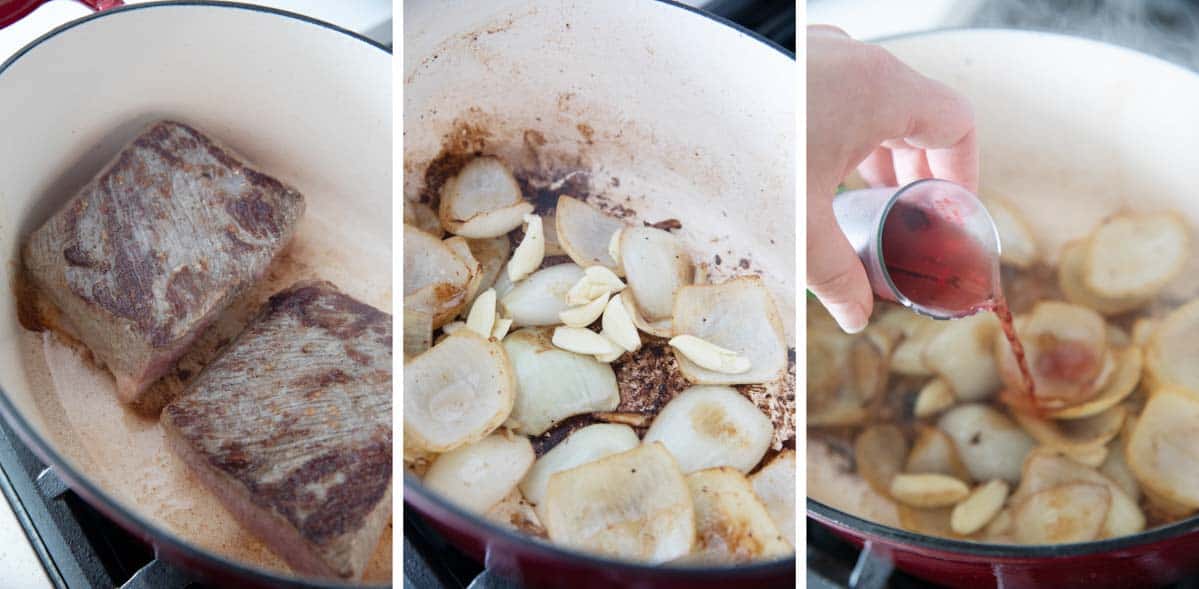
(1071, 131)
(666, 110)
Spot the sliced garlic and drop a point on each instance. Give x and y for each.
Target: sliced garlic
(586, 314)
(581, 340)
(596, 281)
(611, 356)
(531, 251)
(927, 490)
(979, 508)
(500, 330)
(482, 314)
(710, 356)
(935, 397)
(450, 328)
(618, 326)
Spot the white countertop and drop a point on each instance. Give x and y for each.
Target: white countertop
(19, 566)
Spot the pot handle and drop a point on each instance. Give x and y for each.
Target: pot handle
(873, 568)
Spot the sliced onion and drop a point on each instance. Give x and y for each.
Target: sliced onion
(1074, 434)
(990, 445)
(1173, 350)
(935, 452)
(1065, 346)
(553, 384)
(1121, 384)
(1047, 468)
(436, 279)
(738, 315)
(418, 330)
(1068, 513)
(1019, 247)
(1135, 255)
(538, 299)
(656, 266)
(879, 452)
(423, 217)
(775, 486)
(461, 248)
(1074, 287)
(477, 476)
(491, 254)
(709, 426)
(580, 447)
(634, 505)
(732, 524)
(962, 354)
(584, 233)
(660, 328)
(482, 200)
(1163, 450)
(457, 392)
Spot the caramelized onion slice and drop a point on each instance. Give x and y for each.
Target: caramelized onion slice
(709, 426)
(1163, 450)
(478, 476)
(584, 232)
(1071, 281)
(584, 445)
(538, 299)
(1019, 247)
(990, 445)
(962, 354)
(482, 200)
(1072, 512)
(656, 266)
(436, 279)
(457, 392)
(879, 452)
(732, 524)
(634, 506)
(774, 484)
(1065, 346)
(738, 315)
(1135, 255)
(553, 384)
(1172, 355)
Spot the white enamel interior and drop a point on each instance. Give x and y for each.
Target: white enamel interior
(696, 120)
(306, 103)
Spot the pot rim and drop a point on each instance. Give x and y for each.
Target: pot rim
(828, 515)
(431, 505)
(423, 500)
(143, 527)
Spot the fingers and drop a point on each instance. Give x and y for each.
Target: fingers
(957, 163)
(911, 164)
(929, 127)
(835, 275)
(878, 169)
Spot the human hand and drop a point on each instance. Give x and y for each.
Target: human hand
(867, 110)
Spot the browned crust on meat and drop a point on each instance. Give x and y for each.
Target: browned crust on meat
(156, 245)
(291, 428)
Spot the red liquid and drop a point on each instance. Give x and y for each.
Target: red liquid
(933, 262)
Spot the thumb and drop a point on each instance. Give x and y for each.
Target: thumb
(835, 275)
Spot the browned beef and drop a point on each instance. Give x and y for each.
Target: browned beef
(156, 246)
(291, 428)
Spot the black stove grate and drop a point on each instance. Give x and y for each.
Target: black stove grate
(77, 545)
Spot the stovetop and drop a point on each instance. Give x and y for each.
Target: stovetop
(75, 545)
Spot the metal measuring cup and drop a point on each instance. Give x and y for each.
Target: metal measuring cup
(863, 214)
